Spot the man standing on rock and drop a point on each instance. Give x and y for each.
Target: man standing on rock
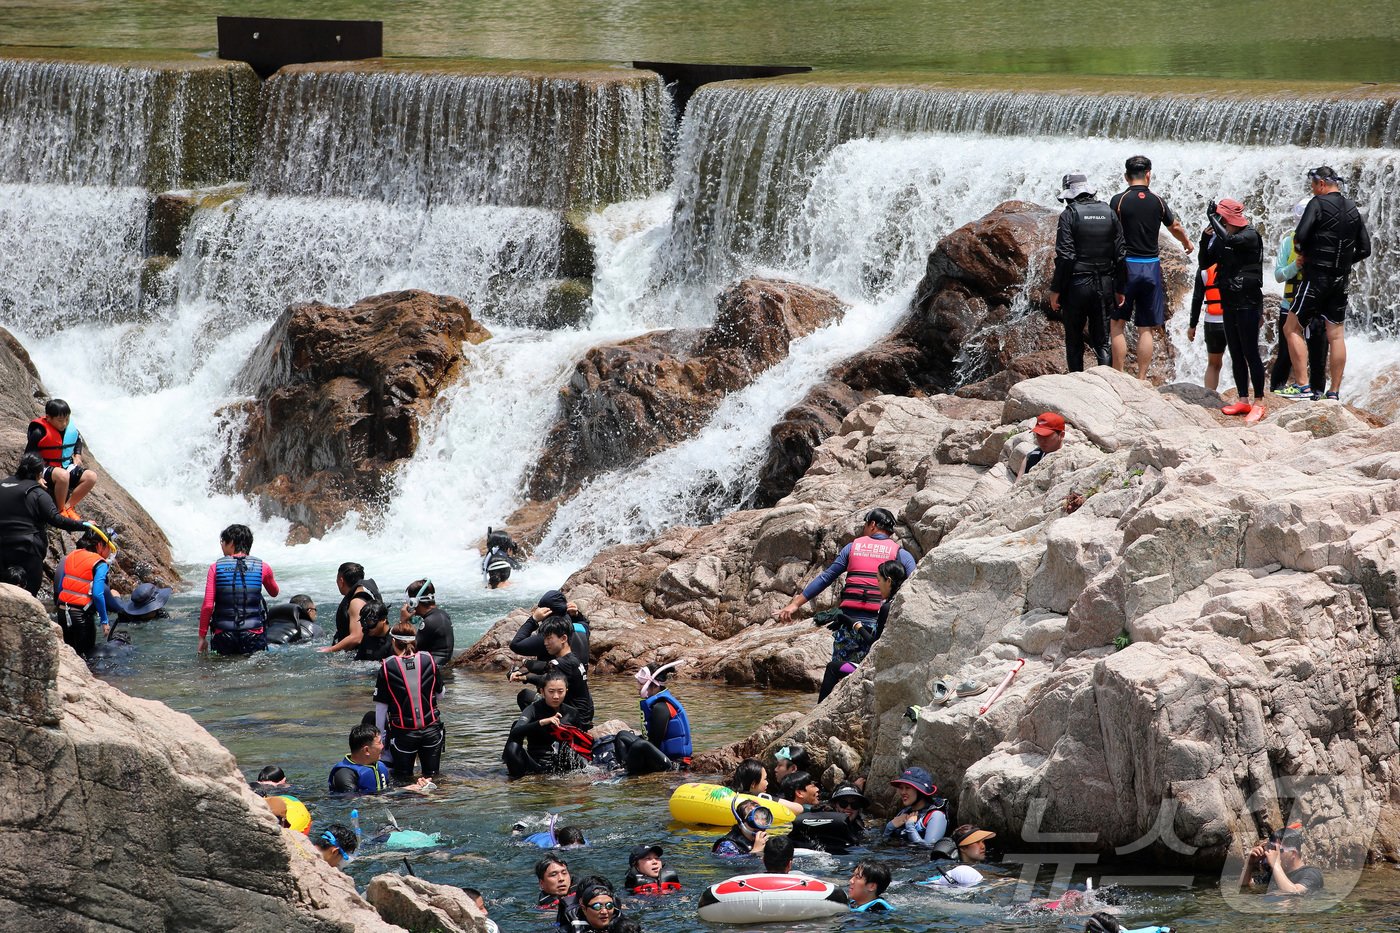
(1089, 270)
(1142, 214)
(860, 561)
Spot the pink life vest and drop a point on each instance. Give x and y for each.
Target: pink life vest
(862, 590)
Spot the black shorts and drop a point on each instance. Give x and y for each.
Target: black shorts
(1215, 337)
(424, 744)
(235, 643)
(75, 476)
(1321, 294)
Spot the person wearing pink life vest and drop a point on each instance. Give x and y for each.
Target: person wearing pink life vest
(859, 561)
(405, 706)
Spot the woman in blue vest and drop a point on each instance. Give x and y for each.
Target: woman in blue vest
(405, 705)
(233, 597)
(667, 726)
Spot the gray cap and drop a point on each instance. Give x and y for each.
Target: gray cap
(1075, 184)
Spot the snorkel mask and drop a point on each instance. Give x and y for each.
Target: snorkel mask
(419, 598)
(109, 537)
(757, 819)
(646, 677)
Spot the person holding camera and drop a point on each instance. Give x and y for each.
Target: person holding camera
(1276, 866)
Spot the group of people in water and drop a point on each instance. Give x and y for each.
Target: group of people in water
(1108, 271)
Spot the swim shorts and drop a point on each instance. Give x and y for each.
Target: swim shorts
(1143, 295)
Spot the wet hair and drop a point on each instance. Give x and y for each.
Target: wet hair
(749, 772)
(362, 735)
(552, 676)
(240, 536)
(337, 834)
(590, 886)
(87, 541)
(793, 783)
(15, 576)
(404, 628)
(883, 519)
(1137, 166)
(474, 894)
(304, 601)
(495, 578)
(56, 408)
(351, 573)
(372, 613)
(797, 756)
(426, 586)
(1102, 922)
(876, 874)
(1290, 839)
(893, 571)
(777, 854)
(570, 836)
(272, 773)
(543, 864)
(31, 466)
(556, 626)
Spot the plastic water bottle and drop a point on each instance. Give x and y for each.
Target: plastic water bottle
(355, 823)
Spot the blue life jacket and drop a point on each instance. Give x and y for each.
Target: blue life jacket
(238, 600)
(372, 778)
(676, 744)
(877, 905)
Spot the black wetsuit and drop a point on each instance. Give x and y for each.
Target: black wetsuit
(539, 742)
(1089, 269)
(530, 644)
(1240, 277)
(1331, 238)
(365, 588)
(374, 647)
(436, 637)
(25, 510)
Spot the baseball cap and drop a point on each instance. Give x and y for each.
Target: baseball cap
(641, 852)
(1049, 423)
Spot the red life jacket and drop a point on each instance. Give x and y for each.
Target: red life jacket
(1214, 313)
(57, 446)
(862, 589)
(78, 570)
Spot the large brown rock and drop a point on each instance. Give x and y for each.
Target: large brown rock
(339, 394)
(628, 400)
(121, 814)
(418, 904)
(144, 549)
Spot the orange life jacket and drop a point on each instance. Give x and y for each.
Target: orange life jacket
(79, 568)
(1213, 311)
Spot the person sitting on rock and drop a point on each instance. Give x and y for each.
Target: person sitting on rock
(867, 885)
(336, 843)
(860, 561)
(82, 591)
(233, 599)
(851, 639)
(749, 834)
(25, 511)
(924, 817)
(552, 873)
(375, 643)
(54, 438)
(435, 634)
(555, 634)
(361, 771)
(1049, 434)
(542, 739)
(355, 592)
(647, 874)
(529, 643)
(667, 725)
(1276, 866)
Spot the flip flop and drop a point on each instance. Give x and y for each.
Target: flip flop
(971, 688)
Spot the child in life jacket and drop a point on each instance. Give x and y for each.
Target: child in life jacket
(647, 874)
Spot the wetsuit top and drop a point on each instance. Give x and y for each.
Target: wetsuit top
(1088, 241)
(82, 582)
(539, 740)
(666, 882)
(221, 574)
(342, 612)
(1207, 260)
(408, 687)
(374, 647)
(925, 827)
(436, 637)
(1288, 270)
(1240, 271)
(1142, 214)
(25, 508)
(578, 696)
(56, 447)
(530, 644)
(733, 844)
(878, 905)
(668, 726)
(1332, 236)
(842, 561)
(347, 777)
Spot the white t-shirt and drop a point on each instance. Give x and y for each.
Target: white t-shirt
(959, 876)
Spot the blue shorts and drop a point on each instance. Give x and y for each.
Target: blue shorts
(1144, 298)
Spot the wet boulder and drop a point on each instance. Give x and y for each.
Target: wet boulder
(339, 395)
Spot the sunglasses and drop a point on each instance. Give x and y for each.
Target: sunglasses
(602, 905)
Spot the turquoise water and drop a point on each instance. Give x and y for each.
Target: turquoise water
(1355, 41)
(293, 707)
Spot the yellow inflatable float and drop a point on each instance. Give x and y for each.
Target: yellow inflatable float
(709, 805)
(298, 817)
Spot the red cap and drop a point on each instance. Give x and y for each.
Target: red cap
(1049, 423)
(1232, 212)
